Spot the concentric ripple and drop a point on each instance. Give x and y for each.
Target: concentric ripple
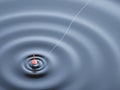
(75, 49)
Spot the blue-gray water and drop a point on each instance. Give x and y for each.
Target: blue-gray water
(77, 43)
